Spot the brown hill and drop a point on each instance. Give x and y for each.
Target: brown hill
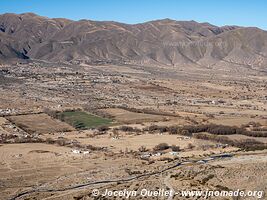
(166, 42)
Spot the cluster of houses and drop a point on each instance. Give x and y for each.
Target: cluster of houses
(8, 111)
(207, 101)
(76, 151)
(147, 155)
(183, 137)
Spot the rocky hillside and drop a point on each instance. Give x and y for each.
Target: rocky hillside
(160, 42)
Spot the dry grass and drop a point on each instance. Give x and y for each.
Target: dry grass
(125, 116)
(39, 123)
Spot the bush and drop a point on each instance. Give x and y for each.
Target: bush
(257, 133)
(126, 128)
(94, 148)
(163, 129)
(190, 146)
(175, 148)
(154, 128)
(214, 129)
(129, 129)
(174, 130)
(49, 141)
(259, 129)
(103, 128)
(142, 149)
(247, 144)
(161, 147)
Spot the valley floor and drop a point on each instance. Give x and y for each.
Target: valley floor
(69, 129)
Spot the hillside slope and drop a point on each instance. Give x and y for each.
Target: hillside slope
(161, 42)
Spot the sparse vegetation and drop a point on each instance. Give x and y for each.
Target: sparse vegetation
(190, 146)
(142, 149)
(214, 129)
(129, 129)
(175, 148)
(103, 128)
(161, 147)
(10, 139)
(245, 144)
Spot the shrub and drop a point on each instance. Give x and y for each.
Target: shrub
(259, 129)
(142, 149)
(247, 144)
(175, 148)
(214, 129)
(94, 148)
(126, 128)
(103, 128)
(153, 128)
(190, 146)
(256, 133)
(163, 129)
(49, 141)
(161, 146)
(174, 130)
(129, 129)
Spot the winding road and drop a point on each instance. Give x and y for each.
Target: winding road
(127, 179)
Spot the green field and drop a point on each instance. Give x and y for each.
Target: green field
(83, 120)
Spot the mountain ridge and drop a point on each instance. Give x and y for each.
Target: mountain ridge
(160, 42)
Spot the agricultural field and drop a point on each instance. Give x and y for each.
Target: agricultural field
(83, 120)
(39, 123)
(127, 117)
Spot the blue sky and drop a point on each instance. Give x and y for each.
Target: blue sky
(218, 12)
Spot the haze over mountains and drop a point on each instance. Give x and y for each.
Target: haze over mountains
(160, 42)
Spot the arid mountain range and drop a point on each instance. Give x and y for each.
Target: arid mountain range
(160, 42)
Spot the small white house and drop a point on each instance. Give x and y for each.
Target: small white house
(174, 153)
(75, 151)
(85, 152)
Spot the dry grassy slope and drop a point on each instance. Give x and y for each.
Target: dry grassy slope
(162, 41)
